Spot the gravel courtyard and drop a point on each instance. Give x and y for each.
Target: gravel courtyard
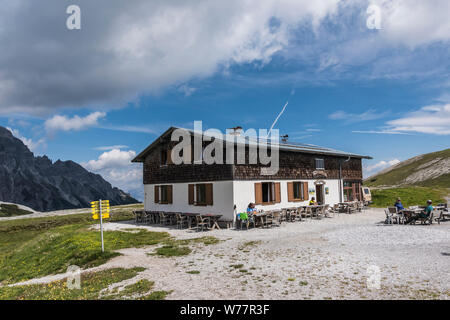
(332, 258)
(345, 257)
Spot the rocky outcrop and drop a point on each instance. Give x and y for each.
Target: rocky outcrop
(43, 185)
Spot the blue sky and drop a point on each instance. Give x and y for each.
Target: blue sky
(101, 94)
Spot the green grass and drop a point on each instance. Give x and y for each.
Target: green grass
(9, 210)
(156, 295)
(91, 285)
(411, 196)
(172, 251)
(37, 247)
(30, 254)
(140, 287)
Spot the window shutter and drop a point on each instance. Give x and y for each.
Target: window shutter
(209, 194)
(169, 156)
(290, 191)
(258, 193)
(277, 192)
(305, 191)
(156, 194)
(169, 194)
(191, 193)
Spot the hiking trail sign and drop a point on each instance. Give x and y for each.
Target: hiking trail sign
(100, 210)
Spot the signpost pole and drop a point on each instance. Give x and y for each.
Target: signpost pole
(101, 223)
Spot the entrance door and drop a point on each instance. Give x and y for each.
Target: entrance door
(319, 194)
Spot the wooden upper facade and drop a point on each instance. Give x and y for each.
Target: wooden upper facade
(294, 163)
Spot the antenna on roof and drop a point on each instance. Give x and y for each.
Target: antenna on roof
(276, 119)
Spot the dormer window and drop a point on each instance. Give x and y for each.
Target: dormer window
(320, 164)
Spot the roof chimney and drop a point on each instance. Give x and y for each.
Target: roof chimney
(236, 131)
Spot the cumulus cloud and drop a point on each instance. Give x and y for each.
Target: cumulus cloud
(371, 169)
(124, 51)
(64, 123)
(111, 159)
(32, 145)
(433, 119)
(115, 166)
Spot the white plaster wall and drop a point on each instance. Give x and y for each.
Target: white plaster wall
(222, 199)
(244, 193)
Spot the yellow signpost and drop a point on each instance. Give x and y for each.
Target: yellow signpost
(100, 210)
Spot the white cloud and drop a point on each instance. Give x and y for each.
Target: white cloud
(106, 148)
(370, 114)
(115, 166)
(433, 119)
(369, 170)
(32, 145)
(414, 22)
(64, 123)
(123, 51)
(111, 159)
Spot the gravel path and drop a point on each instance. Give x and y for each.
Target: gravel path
(332, 258)
(38, 214)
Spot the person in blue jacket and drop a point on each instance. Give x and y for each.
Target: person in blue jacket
(398, 204)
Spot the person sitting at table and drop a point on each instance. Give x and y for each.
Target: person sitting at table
(398, 204)
(313, 202)
(428, 209)
(251, 210)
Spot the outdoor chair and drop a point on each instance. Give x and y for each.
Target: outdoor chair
(276, 218)
(292, 214)
(269, 220)
(181, 221)
(147, 217)
(352, 207)
(308, 212)
(327, 211)
(443, 216)
(336, 208)
(428, 220)
(283, 215)
(163, 218)
(202, 223)
(389, 219)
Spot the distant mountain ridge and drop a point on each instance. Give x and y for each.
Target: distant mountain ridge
(40, 184)
(428, 170)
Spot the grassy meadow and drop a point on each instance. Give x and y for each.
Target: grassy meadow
(37, 247)
(411, 196)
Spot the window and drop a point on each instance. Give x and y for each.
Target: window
(163, 157)
(320, 164)
(297, 191)
(267, 193)
(352, 191)
(166, 157)
(200, 194)
(163, 194)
